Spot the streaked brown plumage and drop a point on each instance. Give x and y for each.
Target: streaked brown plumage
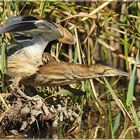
(31, 36)
(25, 62)
(56, 73)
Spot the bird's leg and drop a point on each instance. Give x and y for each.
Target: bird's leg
(15, 89)
(15, 84)
(22, 94)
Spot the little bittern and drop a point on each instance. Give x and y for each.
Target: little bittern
(31, 36)
(54, 73)
(25, 62)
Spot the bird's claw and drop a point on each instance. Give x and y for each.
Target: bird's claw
(16, 91)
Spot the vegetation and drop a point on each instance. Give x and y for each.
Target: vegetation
(105, 31)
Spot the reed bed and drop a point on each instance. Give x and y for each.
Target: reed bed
(105, 31)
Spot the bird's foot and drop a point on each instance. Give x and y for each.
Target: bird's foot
(16, 91)
(22, 94)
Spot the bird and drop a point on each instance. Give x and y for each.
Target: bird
(29, 65)
(31, 35)
(57, 73)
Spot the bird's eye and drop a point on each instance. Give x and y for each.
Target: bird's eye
(107, 70)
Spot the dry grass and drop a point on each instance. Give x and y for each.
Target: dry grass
(104, 31)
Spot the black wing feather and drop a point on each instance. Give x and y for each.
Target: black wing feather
(18, 27)
(17, 19)
(24, 28)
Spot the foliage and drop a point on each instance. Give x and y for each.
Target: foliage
(105, 31)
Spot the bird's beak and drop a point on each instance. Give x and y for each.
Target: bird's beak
(106, 70)
(114, 72)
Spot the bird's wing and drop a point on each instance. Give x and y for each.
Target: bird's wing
(26, 27)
